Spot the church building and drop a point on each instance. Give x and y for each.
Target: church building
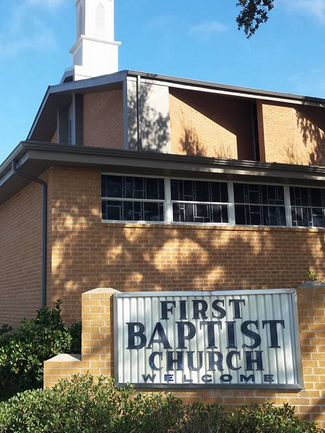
(148, 183)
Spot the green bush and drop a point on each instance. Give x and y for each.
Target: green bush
(23, 352)
(88, 405)
(268, 419)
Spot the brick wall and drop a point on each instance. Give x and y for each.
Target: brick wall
(20, 256)
(293, 135)
(103, 119)
(210, 125)
(98, 343)
(88, 253)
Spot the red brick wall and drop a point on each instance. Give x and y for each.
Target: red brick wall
(103, 119)
(20, 256)
(88, 253)
(210, 125)
(293, 134)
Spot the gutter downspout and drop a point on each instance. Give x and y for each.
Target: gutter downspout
(138, 96)
(44, 225)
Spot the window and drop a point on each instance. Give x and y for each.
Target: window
(126, 198)
(151, 199)
(307, 207)
(259, 205)
(199, 201)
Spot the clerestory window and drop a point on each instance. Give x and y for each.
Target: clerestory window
(185, 201)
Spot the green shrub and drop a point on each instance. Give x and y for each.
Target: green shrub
(23, 352)
(203, 418)
(88, 405)
(268, 419)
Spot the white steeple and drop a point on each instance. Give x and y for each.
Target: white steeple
(95, 52)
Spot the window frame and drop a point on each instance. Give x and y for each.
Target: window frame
(143, 200)
(168, 202)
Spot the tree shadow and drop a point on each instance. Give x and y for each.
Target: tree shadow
(311, 125)
(148, 118)
(231, 119)
(89, 253)
(191, 144)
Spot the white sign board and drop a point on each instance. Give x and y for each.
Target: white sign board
(208, 339)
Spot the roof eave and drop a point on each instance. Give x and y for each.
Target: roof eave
(36, 158)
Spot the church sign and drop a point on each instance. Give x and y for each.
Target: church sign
(226, 339)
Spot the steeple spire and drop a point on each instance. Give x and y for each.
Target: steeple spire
(95, 52)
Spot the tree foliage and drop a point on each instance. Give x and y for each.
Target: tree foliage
(253, 13)
(23, 351)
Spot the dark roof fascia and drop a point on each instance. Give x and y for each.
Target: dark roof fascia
(75, 86)
(305, 100)
(35, 158)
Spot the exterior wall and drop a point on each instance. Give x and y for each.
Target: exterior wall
(154, 119)
(88, 253)
(293, 135)
(97, 357)
(103, 119)
(20, 256)
(55, 137)
(210, 125)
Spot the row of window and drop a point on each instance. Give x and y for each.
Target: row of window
(131, 198)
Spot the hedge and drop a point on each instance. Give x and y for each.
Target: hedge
(86, 404)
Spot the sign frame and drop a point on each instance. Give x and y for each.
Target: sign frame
(295, 337)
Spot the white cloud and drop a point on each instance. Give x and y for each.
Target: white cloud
(207, 29)
(313, 8)
(26, 29)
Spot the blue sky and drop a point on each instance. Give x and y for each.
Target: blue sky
(186, 38)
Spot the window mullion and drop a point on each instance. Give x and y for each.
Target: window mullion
(231, 207)
(168, 202)
(287, 205)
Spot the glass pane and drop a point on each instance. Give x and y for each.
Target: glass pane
(114, 210)
(128, 211)
(202, 191)
(188, 191)
(255, 215)
(161, 189)
(254, 194)
(318, 217)
(175, 192)
(316, 199)
(114, 186)
(224, 192)
(152, 190)
(202, 210)
(138, 185)
(176, 212)
(189, 213)
(282, 216)
(151, 212)
(239, 193)
(128, 187)
(240, 214)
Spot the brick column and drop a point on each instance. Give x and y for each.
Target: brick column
(97, 341)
